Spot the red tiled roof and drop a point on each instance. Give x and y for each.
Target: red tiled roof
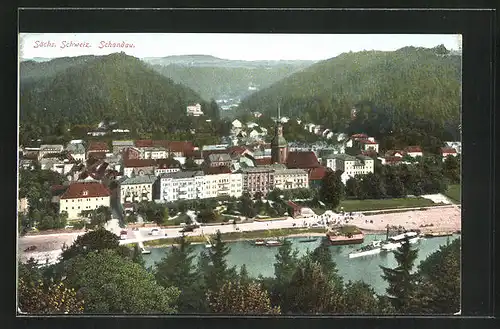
(98, 155)
(93, 189)
(166, 163)
(263, 162)
(143, 143)
(359, 136)
(57, 189)
(369, 153)
(293, 205)
(216, 170)
(302, 160)
(137, 163)
(236, 150)
(205, 154)
(180, 146)
(317, 173)
(95, 146)
(391, 153)
(391, 159)
(366, 141)
(413, 149)
(448, 150)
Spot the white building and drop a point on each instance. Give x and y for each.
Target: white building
(237, 124)
(77, 150)
(181, 185)
(454, 145)
(83, 196)
(137, 189)
(154, 153)
(47, 149)
(194, 110)
(285, 179)
(350, 165)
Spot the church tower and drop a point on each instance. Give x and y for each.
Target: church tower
(279, 146)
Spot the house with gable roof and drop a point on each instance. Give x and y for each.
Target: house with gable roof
(80, 196)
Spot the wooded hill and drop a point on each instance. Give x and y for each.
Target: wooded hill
(398, 89)
(89, 89)
(215, 78)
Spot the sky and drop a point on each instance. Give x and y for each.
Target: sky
(228, 46)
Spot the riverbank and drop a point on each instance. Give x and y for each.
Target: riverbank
(242, 236)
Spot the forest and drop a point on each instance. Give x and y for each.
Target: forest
(117, 87)
(409, 95)
(95, 275)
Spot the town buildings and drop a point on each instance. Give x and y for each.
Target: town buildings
(286, 179)
(80, 196)
(49, 149)
(76, 149)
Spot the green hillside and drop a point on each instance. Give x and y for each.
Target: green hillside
(88, 90)
(392, 91)
(214, 82)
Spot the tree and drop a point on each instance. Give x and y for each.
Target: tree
(360, 298)
(236, 297)
(100, 217)
(401, 280)
(439, 280)
(137, 256)
(218, 271)
(451, 169)
(110, 283)
(37, 298)
(177, 269)
(332, 189)
(99, 239)
(309, 291)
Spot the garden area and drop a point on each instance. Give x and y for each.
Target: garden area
(454, 193)
(379, 204)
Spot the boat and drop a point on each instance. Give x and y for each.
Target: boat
(308, 239)
(338, 239)
(208, 245)
(371, 249)
(437, 234)
(396, 241)
(274, 243)
(260, 242)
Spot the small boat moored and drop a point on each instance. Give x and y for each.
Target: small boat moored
(396, 241)
(437, 234)
(274, 243)
(308, 239)
(371, 249)
(260, 242)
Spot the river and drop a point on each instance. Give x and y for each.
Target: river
(260, 260)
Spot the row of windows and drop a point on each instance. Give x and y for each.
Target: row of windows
(80, 200)
(87, 207)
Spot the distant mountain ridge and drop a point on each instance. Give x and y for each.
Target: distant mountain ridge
(212, 61)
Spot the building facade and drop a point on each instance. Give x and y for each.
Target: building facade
(258, 179)
(350, 165)
(82, 196)
(137, 189)
(182, 185)
(286, 179)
